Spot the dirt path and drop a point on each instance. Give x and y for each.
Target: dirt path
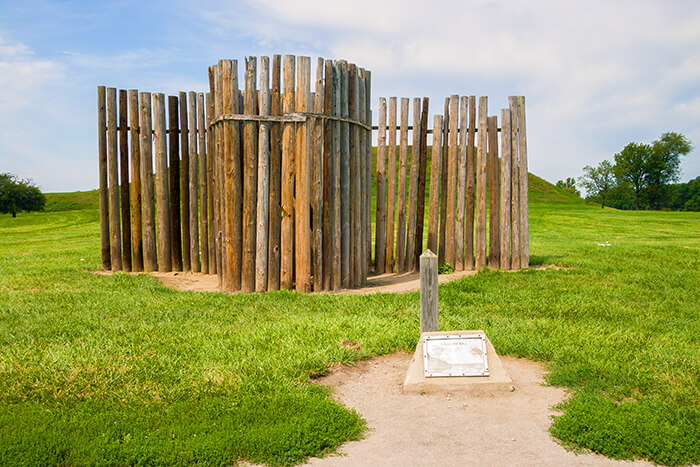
(411, 430)
(386, 283)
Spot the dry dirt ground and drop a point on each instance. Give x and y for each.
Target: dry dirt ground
(508, 428)
(388, 283)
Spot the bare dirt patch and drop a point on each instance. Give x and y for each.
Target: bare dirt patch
(410, 429)
(382, 283)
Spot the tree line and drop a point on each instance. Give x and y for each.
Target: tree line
(642, 177)
(18, 195)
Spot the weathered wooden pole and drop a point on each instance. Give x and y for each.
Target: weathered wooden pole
(443, 182)
(413, 188)
(336, 217)
(420, 209)
(302, 221)
(344, 177)
(391, 189)
(202, 179)
(288, 178)
(368, 172)
(104, 196)
(163, 202)
(471, 188)
(273, 264)
(380, 242)
(113, 162)
(428, 292)
(522, 152)
(150, 257)
(136, 237)
(174, 177)
(231, 177)
(480, 221)
(461, 185)
(328, 187)
(211, 148)
(184, 183)
(493, 188)
(505, 220)
(450, 250)
(514, 188)
(193, 182)
(401, 217)
(263, 206)
(355, 183)
(316, 126)
(124, 180)
(434, 200)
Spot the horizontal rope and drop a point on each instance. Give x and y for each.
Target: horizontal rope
(295, 117)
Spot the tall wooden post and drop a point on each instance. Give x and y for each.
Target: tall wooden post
(524, 213)
(461, 185)
(443, 182)
(174, 177)
(505, 219)
(163, 202)
(316, 125)
(150, 258)
(514, 189)
(184, 182)
(428, 292)
(104, 195)
(124, 180)
(336, 217)
(391, 188)
(420, 210)
(344, 178)
(493, 188)
(303, 181)
(113, 162)
(273, 266)
(413, 188)
(202, 179)
(471, 189)
(434, 200)
(136, 236)
(401, 217)
(288, 178)
(380, 242)
(480, 221)
(263, 206)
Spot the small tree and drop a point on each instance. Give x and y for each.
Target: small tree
(569, 185)
(18, 195)
(598, 181)
(631, 167)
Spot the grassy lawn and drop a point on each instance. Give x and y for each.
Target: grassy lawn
(120, 370)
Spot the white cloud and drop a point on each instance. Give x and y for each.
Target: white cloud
(597, 74)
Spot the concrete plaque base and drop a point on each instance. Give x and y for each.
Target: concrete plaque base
(497, 381)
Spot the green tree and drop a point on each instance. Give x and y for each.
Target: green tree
(598, 181)
(569, 185)
(631, 167)
(649, 168)
(663, 165)
(18, 195)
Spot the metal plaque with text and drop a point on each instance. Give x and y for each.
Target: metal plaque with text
(455, 355)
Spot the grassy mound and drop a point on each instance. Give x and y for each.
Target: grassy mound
(74, 201)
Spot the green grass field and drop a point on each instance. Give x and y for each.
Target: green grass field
(116, 370)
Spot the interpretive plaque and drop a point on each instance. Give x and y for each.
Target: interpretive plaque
(455, 355)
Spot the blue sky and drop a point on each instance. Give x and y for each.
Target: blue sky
(596, 74)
